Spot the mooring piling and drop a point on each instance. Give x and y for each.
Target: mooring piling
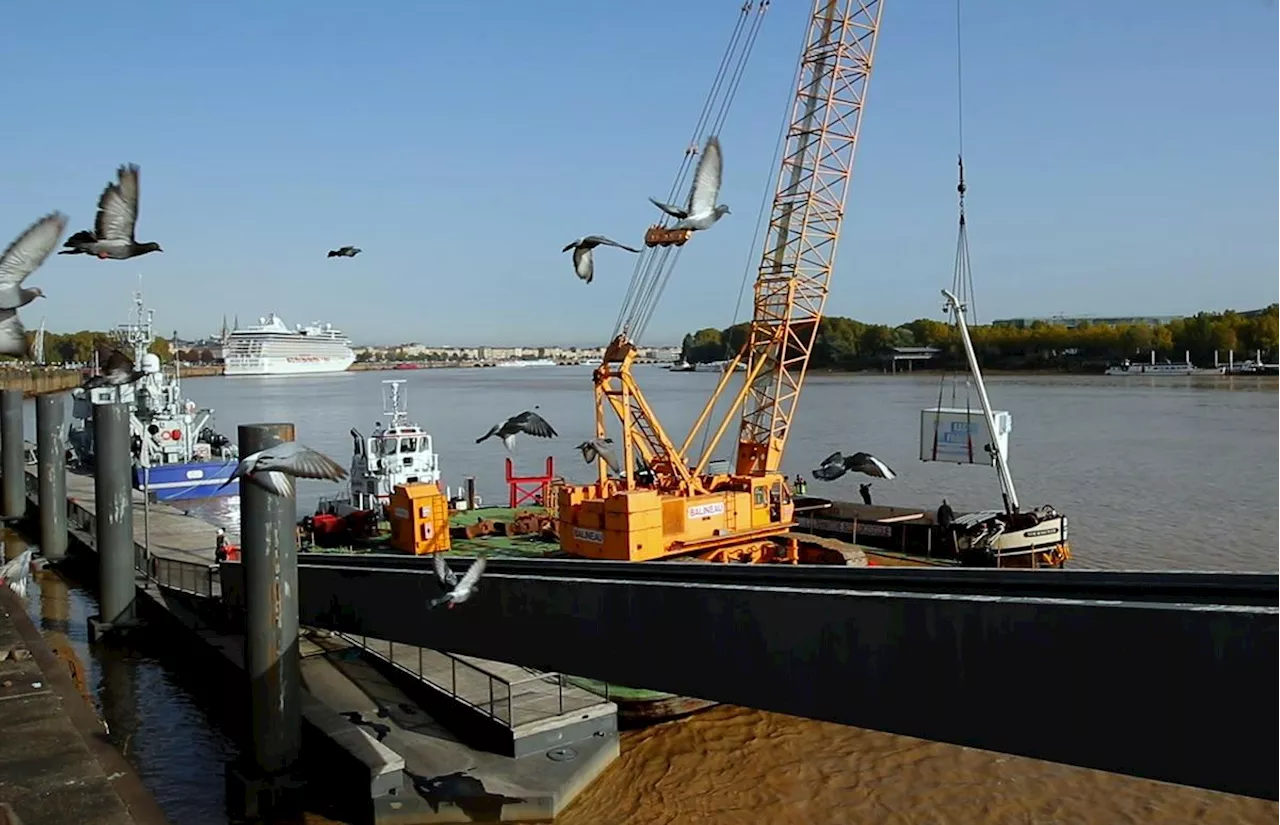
(266, 782)
(13, 483)
(113, 500)
(51, 474)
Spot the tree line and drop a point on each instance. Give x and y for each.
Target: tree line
(844, 343)
(79, 347)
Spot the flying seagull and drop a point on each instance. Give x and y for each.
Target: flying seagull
(456, 592)
(583, 261)
(836, 465)
(274, 468)
(17, 573)
(24, 256)
(702, 210)
(526, 422)
(117, 371)
(344, 252)
(112, 234)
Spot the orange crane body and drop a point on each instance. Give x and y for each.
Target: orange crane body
(678, 507)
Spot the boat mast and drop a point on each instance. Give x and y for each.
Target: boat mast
(1002, 465)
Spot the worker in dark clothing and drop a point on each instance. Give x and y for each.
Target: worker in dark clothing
(865, 491)
(946, 516)
(220, 548)
(946, 519)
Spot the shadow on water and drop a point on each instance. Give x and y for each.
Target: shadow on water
(161, 707)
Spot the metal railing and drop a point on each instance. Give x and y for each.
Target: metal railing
(196, 578)
(511, 702)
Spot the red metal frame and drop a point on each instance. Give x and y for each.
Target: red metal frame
(527, 489)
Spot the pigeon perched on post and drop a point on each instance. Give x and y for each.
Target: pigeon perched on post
(24, 256)
(112, 233)
(456, 592)
(701, 211)
(345, 252)
(116, 372)
(836, 465)
(526, 422)
(275, 468)
(583, 260)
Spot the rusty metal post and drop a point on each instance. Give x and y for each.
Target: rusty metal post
(51, 452)
(113, 508)
(471, 493)
(266, 783)
(13, 484)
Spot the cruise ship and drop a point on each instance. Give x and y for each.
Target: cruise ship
(271, 348)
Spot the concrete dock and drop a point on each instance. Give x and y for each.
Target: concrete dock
(431, 736)
(56, 766)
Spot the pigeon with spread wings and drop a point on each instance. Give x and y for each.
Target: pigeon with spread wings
(112, 233)
(702, 211)
(526, 422)
(584, 259)
(24, 256)
(117, 370)
(837, 464)
(456, 592)
(275, 468)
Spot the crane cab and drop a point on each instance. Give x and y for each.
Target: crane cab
(663, 236)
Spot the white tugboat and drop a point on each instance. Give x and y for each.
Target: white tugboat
(176, 452)
(401, 452)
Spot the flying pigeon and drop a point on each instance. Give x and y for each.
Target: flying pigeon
(112, 234)
(117, 371)
(457, 592)
(344, 252)
(583, 261)
(526, 422)
(701, 211)
(598, 448)
(274, 468)
(24, 256)
(836, 465)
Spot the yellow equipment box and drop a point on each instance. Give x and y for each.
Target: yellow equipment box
(419, 519)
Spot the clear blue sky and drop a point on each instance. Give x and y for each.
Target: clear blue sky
(1122, 158)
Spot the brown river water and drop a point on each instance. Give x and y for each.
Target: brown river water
(1154, 473)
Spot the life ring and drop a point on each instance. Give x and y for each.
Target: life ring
(165, 435)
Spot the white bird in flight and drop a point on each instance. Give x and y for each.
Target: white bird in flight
(583, 259)
(702, 210)
(456, 592)
(526, 422)
(274, 468)
(24, 256)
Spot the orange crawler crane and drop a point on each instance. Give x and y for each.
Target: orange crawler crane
(676, 507)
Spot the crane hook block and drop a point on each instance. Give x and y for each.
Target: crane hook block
(661, 236)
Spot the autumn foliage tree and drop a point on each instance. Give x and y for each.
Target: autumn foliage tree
(843, 343)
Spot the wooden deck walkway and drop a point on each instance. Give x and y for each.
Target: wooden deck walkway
(174, 535)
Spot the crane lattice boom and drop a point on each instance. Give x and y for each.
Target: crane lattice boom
(804, 227)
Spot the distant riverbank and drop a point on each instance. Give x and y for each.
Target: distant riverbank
(39, 380)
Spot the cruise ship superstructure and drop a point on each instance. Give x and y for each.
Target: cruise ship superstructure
(271, 348)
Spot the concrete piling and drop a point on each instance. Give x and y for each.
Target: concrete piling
(113, 498)
(266, 782)
(13, 482)
(52, 475)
